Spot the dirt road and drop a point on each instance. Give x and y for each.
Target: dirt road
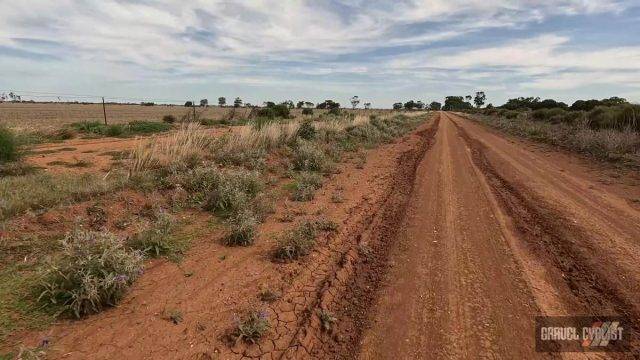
(496, 233)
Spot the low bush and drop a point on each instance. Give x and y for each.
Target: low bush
(8, 146)
(274, 111)
(251, 327)
(615, 117)
(94, 271)
(308, 156)
(305, 185)
(299, 241)
(242, 226)
(147, 127)
(157, 240)
(232, 190)
(306, 130)
(307, 111)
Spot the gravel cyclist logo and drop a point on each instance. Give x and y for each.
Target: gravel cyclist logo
(582, 333)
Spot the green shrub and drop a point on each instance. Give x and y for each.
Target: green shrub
(307, 111)
(305, 186)
(252, 327)
(243, 227)
(334, 111)
(158, 240)
(274, 111)
(308, 156)
(307, 131)
(232, 191)
(615, 117)
(113, 130)
(8, 146)
(297, 242)
(94, 271)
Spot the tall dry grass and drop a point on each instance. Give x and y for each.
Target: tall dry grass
(186, 144)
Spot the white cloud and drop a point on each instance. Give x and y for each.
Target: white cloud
(249, 41)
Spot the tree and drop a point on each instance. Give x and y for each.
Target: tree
(468, 97)
(328, 104)
(436, 106)
(300, 104)
(222, 101)
(269, 104)
(308, 104)
(204, 102)
(397, 106)
(188, 104)
(367, 105)
(248, 105)
(289, 104)
(237, 102)
(419, 104)
(456, 103)
(410, 105)
(479, 99)
(355, 101)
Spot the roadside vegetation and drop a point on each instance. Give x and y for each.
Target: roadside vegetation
(607, 129)
(228, 177)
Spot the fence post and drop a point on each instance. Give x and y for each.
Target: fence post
(104, 111)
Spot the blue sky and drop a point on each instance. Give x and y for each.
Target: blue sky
(382, 51)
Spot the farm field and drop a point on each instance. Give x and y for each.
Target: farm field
(316, 238)
(47, 116)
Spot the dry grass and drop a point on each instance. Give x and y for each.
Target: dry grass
(183, 146)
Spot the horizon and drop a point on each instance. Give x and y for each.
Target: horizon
(289, 50)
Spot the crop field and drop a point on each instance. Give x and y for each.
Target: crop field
(46, 116)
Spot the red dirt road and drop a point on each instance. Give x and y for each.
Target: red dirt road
(496, 233)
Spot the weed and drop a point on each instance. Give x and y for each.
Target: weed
(327, 319)
(308, 156)
(8, 146)
(242, 229)
(175, 316)
(157, 240)
(268, 295)
(297, 242)
(337, 197)
(307, 131)
(305, 185)
(93, 271)
(232, 191)
(251, 327)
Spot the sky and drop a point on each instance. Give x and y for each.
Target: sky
(382, 51)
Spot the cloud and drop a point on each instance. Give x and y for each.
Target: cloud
(312, 41)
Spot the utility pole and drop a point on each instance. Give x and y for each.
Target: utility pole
(104, 111)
